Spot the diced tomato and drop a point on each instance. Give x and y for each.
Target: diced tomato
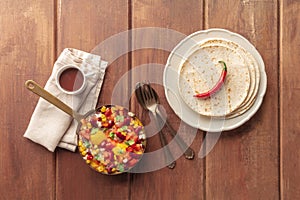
(89, 156)
(121, 136)
(129, 149)
(135, 138)
(111, 123)
(108, 112)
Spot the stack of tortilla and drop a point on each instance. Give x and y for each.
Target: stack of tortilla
(201, 70)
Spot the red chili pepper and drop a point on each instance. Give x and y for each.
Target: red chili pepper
(217, 86)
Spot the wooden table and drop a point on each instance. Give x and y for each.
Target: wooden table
(259, 160)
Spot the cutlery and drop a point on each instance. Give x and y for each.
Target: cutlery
(148, 102)
(188, 152)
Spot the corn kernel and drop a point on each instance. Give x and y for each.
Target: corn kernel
(81, 149)
(83, 153)
(88, 161)
(100, 168)
(94, 164)
(103, 109)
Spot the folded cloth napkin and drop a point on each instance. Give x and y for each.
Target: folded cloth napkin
(51, 127)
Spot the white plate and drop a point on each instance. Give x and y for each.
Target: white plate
(170, 80)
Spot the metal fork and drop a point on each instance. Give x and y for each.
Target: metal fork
(187, 151)
(150, 103)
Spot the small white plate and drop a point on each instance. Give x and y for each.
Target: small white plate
(170, 81)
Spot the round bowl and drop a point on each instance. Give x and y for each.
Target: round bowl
(111, 139)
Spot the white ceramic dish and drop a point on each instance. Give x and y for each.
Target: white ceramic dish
(82, 85)
(170, 81)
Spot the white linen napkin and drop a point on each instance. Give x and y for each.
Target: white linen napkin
(51, 127)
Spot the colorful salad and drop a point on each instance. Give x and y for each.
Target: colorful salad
(111, 140)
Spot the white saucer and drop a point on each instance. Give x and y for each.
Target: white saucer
(170, 81)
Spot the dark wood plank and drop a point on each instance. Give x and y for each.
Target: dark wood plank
(186, 181)
(83, 25)
(27, 170)
(244, 163)
(289, 96)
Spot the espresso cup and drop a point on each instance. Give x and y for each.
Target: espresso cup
(70, 79)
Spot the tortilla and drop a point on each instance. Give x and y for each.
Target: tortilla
(253, 69)
(201, 71)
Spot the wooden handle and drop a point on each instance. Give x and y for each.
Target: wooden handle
(35, 88)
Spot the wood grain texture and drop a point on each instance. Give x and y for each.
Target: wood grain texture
(244, 163)
(259, 160)
(186, 180)
(27, 170)
(289, 96)
(84, 25)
